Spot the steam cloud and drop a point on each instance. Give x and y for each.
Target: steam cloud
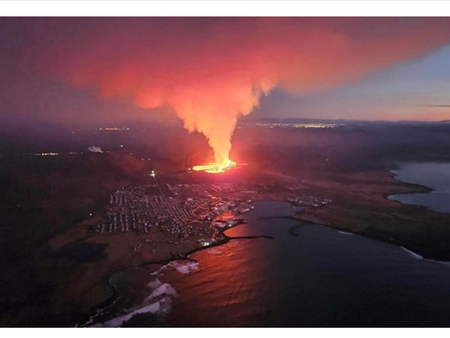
(211, 71)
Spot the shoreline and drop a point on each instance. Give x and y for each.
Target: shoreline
(368, 211)
(347, 232)
(424, 190)
(405, 246)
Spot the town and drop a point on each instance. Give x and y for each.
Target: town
(308, 201)
(180, 210)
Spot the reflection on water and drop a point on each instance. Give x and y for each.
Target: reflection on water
(431, 174)
(318, 278)
(213, 296)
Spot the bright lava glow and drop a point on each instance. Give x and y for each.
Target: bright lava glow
(215, 168)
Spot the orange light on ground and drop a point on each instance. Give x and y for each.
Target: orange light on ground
(215, 168)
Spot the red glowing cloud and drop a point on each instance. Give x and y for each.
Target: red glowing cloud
(210, 71)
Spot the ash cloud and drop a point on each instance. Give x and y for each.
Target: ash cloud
(211, 71)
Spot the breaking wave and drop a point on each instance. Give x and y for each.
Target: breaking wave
(182, 267)
(419, 257)
(345, 233)
(412, 253)
(158, 302)
(214, 251)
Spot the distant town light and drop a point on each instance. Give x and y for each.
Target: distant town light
(46, 154)
(114, 128)
(298, 125)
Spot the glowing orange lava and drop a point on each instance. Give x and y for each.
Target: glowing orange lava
(215, 168)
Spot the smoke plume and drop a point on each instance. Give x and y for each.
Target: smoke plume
(210, 71)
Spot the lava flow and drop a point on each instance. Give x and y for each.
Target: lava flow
(215, 168)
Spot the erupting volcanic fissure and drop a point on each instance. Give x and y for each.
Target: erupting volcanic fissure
(215, 168)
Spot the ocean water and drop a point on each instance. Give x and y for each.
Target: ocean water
(431, 174)
(309, 276)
